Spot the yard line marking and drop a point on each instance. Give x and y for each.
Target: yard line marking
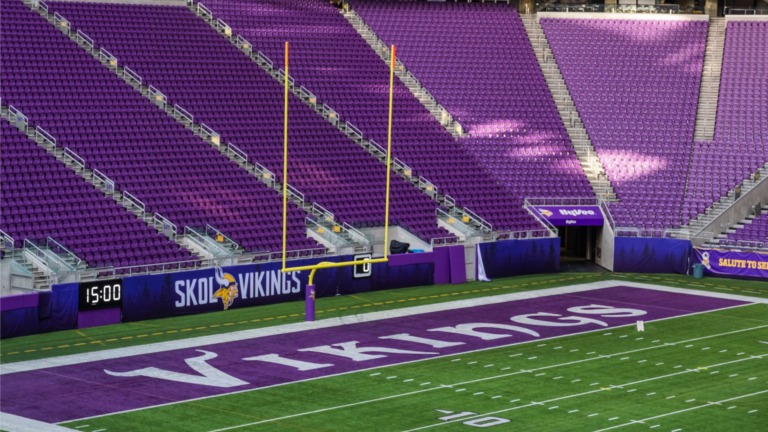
(573, 411)
(489, 365)
(671, 397)
(576, 380)
(690, 400)
(408, 380)
(731, 407)
(613, 418)
(733, 375)
(391, 377)
(540, 374)
(592, 415)
(686, 410)
(654, 426)
(82, 426)
(496, 397)
(753, 411)
(478, 393)
(480, 415)
(506, 368)
(426, 383)
(650, 394)
(553, 407)
(514, 400)
(515, 355)
(374, 374)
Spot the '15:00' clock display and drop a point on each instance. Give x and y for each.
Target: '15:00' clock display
(100, 294)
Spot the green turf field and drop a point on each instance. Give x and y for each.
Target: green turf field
(696, 373)
(705, 372)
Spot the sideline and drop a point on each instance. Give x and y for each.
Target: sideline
(74, 359)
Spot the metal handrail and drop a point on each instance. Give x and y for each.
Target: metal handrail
(42, 133)
(51, 264)
(8, 242)
(215, 233)
(178, 110)
(74, 157)
(130, 74)
(84, 38)
(329, 235)
(127, 196)
(168, 227)
(108, 183)
(51, 243)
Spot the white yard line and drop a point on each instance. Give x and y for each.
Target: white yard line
(14, 423)
(109, 354)
(683, 410)
(492, 413)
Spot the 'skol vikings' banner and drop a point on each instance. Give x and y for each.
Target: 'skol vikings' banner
(222, 288)
(731, 263)
(572, 215)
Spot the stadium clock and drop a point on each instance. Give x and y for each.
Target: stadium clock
(100, 294)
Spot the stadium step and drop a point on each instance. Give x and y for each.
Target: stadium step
(402, 72)
(585, 151)
(704, 129)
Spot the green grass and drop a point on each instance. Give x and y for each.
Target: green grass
(143, 332)
(694, 373)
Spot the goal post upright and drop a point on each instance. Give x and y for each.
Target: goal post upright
(309, 295)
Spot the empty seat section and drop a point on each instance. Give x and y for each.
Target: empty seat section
(740, 144)
(196, 68)
(635, 84)
(476, 60)
(334, 62)
(110, 125)
(41, 198)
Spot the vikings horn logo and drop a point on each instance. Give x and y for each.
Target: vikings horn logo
(228, 288)
(545, 212)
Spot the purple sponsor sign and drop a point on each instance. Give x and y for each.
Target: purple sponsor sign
(113, 385)
(733, 263)
(572, 215)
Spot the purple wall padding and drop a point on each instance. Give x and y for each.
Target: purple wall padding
(442, 265)
(457, 263)
(19, 301)
(98, 317)
(411, 258)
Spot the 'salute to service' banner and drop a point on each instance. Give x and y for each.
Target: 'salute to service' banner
(733, 263)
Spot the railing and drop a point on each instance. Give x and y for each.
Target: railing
(67, 255)
(158, 96)
(84, 39)
(45, 259)
(267, 176)
(105, 181)
(523, 235)
(445, 241)
(74, 158)
(308, 96)
(233, 150)
(223, 27)
(167, 227)
(351, 129)
(208, 242)
(134, 202)
(8, 242)
(743, 244)
(42, 134)
(323, 232)
(473, 217)
(377, 149)
(448, 201)
(295, 194)
(356, 235)
(204, 11)
(219, 237)
(281, 74)
(21, 121)
(330, 114)
(456, 220)
(427, 186)
(607, 213)
(652, 232)
(107, 57)
(327, 215)
(551, 230)
(210, 134)
(62, 22)
(571, 201)
(131, 75)
(741, 11)
(243, 43)
(264, 60)
(181, 112)
(402, 168)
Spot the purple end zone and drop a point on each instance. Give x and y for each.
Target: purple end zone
(86, 389)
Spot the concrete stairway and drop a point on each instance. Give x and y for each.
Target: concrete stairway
(703, 220)
(706, 113)
(590, 161)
